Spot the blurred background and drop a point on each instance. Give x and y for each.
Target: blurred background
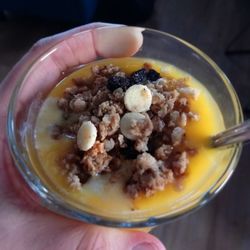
(221, 28)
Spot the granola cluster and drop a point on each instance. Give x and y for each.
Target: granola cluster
(110, 128)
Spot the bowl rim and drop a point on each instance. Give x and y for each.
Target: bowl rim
(57, 205)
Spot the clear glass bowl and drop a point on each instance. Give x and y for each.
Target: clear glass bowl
(30, 92)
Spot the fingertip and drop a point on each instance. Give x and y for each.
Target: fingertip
(121, 239)
(117, 41)
(145, 241)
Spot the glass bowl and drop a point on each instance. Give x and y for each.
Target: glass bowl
(30, 92)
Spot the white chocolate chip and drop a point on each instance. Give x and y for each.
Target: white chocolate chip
(86, 135)
(128, 121)
(138, 98)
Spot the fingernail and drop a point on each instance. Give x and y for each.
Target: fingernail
(117, 41)
(110, 26)
(145, 246)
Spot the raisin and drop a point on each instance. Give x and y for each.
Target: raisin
(153, 75)
(84, 177)
(115, 82)
(139, 76)
(129, 152)
(155, 141)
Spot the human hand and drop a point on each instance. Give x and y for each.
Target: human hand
(25, 224)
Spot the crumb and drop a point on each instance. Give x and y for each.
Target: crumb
(141, 145)
(109, 125)
(158, 124)
(190, 92)
(141, 129)
(193, 116)
(177, 135)
(163, 152)
(96, 160)
(147, 178)
(180, 164)
(109, 144)
(158, 153)
(121, 141)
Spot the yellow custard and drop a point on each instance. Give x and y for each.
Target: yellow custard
(101, 197)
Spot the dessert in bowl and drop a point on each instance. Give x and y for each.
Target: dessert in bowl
(125, 141)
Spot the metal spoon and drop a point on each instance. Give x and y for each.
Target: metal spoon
(236, 134)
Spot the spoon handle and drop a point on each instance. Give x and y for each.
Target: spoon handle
(236, 134)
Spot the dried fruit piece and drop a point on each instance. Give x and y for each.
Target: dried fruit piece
(115, 82)
(139, 76)
(129, 152)
(153, 75)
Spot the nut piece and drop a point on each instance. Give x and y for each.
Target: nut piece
(136, 125)
(138, 98)
(86, 135)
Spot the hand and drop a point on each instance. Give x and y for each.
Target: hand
(24, 224)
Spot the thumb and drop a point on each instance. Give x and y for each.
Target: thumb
(112, 239)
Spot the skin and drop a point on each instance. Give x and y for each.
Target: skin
(24, 224)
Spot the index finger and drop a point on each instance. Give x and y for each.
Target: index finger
(8, 84)
(79, 49)
(73, 49)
